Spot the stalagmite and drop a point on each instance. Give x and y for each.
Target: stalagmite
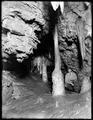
(86, 85)
(44, 71)
(57, 76)
(41, 63)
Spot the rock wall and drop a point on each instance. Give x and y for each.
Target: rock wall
(69, 38)
(23, 26)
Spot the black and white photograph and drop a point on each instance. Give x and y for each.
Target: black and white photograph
(46, 49)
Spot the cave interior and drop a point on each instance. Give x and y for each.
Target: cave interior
(26, 92)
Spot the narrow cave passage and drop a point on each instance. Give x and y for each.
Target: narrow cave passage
(31, 96)
(29, 61)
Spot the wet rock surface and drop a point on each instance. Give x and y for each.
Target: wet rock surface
(36, 101)
(25, 26)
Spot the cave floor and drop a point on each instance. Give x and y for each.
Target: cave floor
(37, 102)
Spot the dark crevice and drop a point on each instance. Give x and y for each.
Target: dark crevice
(17, 33)
(85, 7)
(5, 30)
(19, 69)
(16, 12)
(26, 21)
(31, 22)
(79, 54)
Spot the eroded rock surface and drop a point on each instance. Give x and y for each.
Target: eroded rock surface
(23, 25)
(72, 35)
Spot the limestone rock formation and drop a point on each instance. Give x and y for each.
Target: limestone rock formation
(23, 25)
(26, 34)
(71, 38)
